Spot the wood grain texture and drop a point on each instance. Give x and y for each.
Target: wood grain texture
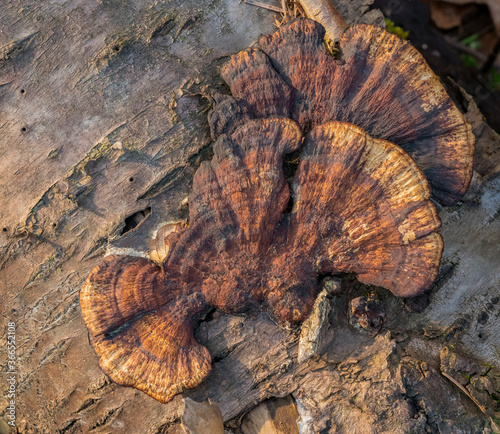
(361, 205)
(378, 82)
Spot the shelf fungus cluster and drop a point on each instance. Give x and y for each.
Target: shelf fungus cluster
(369, 126)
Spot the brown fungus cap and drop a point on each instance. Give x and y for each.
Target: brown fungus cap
(361, 205)
(141, 316)
(141, 327)
(377, 82)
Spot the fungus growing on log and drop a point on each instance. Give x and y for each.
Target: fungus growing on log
(361, 205)
(377, 82)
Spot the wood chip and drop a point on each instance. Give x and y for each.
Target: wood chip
(201, 418)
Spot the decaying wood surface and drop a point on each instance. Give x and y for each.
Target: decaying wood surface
(103, 109)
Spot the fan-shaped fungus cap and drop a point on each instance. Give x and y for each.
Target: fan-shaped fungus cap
(378, 82)
(141, 327)
(361, 205)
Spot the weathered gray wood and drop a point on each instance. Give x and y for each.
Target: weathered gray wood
(114, 106)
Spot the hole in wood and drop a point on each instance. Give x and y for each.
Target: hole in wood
(135, 219)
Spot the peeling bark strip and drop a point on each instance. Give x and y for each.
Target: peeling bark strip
(361, 205)
(379, 83)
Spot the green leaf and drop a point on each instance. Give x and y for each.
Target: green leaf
(472, 41)
(469, 60)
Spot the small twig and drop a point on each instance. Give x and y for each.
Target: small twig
(483, 58)
(286, 11)
(297, 9)
(264, 6)
(464, 390)
(494, 427)
(455, 44)
(326, 14)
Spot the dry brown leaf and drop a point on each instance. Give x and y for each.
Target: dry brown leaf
(493, 5)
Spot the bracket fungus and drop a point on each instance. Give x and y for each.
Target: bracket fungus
(356, 203)
(377, 82)
(361, 205)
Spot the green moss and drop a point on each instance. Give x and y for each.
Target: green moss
(391, 27)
